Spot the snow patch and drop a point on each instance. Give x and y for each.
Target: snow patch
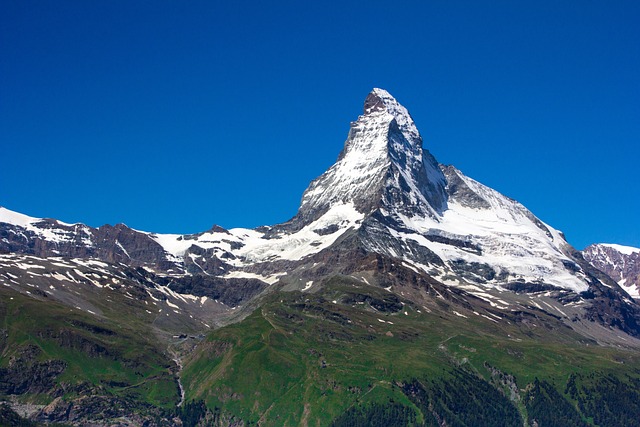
(626, 250)
(302, 243)
(246, 275)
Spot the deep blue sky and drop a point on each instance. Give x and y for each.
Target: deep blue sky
(174, 116)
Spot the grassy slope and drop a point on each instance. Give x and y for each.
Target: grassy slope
(304, 359)
(117, 358)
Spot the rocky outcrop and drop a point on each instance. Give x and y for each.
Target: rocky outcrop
(25, 374)
(609, 304)
(232, 292)
(621, 263)
(98, 409)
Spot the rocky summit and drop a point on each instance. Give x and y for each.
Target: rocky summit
(399, 279)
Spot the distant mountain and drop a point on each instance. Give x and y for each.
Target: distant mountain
(394, 265)
(621, 263)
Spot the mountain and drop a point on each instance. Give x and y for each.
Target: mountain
(398, 280)
(621, 263)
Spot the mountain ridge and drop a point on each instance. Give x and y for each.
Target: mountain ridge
(387, 192)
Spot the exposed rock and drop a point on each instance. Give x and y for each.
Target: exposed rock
(101, 410)
(26, 374)
(232, 292)
(621, 263)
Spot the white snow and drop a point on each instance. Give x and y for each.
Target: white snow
(91, 263)
(631, 289)
(255, 248)
(176, 244)
(297, 245)
(25, 266)
(487, 317)
(172, 243)
(151, 295)
(15, 218)
(123, 249)
(626, 250)
(30, 223)
(238, 274)
(508, 238)
(169, 292)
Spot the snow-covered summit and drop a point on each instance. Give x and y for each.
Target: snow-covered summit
(382, 164)
(433, 216)
(381, 100)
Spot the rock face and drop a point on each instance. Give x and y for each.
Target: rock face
(50, 238)
(621, 263)
(26, 374)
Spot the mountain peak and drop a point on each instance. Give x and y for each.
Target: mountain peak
(382, 165)
(380, 101)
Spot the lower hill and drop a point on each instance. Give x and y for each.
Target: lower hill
(59, 364)
(355, 355)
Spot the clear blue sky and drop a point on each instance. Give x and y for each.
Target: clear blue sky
(174, 116)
